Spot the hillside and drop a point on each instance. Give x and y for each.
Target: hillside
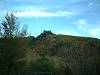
(60, 54)
(80, 55)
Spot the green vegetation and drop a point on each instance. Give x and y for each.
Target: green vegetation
(48, 52)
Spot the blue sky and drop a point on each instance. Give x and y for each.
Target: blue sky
(69, 17)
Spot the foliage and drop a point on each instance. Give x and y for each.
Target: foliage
(45, 34)
(10, 28)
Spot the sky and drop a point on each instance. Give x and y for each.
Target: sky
(68, 17)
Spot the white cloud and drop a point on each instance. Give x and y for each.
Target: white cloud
(65, 13)
(33, 13)
(29, 8)
(95, 32)
(30, 11)
(88, 29)
(42, 14)
(82, 24)
(91, 3)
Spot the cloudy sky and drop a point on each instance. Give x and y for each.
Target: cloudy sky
(70, 17)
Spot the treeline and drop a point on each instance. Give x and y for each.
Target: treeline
(47, 53)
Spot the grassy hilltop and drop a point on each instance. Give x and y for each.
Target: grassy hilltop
(48, 52)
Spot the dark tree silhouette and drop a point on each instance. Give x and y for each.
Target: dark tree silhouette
(45, 33)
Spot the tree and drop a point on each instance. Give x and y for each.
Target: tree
(45, 33)
(12, 48)
(10, 28)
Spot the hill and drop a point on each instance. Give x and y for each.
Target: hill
(60, 54)
(79, 55)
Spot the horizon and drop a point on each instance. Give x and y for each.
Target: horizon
(76, 17)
